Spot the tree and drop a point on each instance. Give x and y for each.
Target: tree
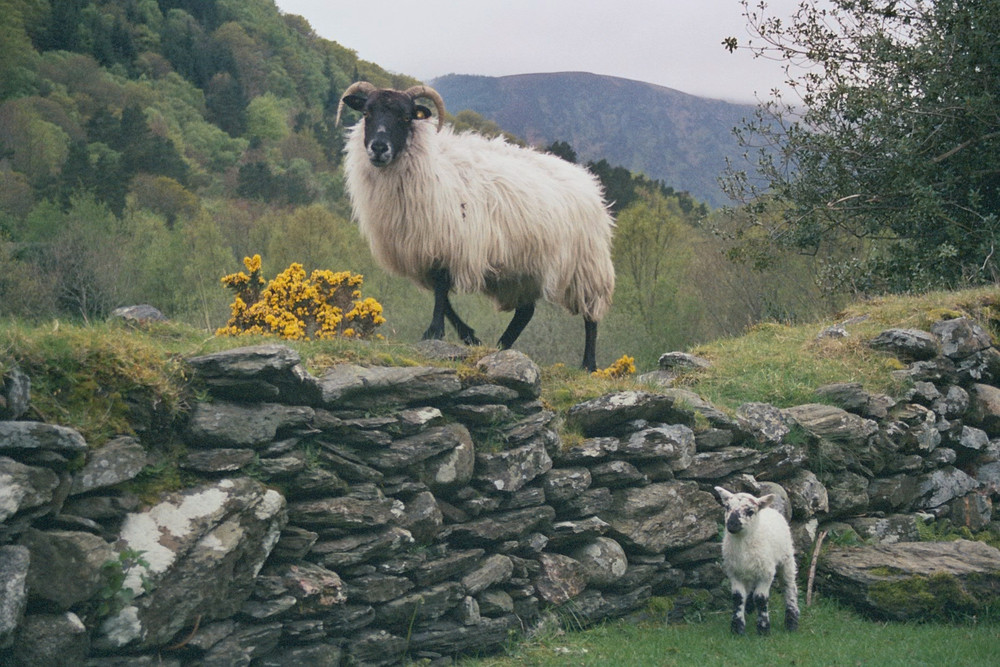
(893, 146)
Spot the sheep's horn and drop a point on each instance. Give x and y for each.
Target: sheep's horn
(356, 87)
(431, 94)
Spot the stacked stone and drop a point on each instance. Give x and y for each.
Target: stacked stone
(375, 515)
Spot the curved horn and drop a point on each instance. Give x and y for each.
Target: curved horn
(356, 87)
(433, 96)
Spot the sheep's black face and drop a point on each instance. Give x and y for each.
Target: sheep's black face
(389, 117)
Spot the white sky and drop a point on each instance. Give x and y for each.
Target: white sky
(673, 43)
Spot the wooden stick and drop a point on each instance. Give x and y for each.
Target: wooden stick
(812, 567)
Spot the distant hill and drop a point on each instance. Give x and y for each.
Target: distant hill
(680, 139)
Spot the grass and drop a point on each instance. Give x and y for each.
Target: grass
(829, 635)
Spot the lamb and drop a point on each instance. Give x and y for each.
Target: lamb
(462, 212)
(757, 542)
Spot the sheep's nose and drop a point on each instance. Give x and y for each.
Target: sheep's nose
(379, 148)
(733, 524)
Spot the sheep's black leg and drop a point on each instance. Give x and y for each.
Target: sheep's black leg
(522, 315)
(442, 285)
(443, 309)
(465, 332)
(590, 345)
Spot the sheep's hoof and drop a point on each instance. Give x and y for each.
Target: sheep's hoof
(792, 621)
(763, 629)
(738, 626)
(469, 338)
(434, 333)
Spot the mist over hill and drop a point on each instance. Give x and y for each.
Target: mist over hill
(680, 139)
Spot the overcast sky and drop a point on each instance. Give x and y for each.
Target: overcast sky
(673, 43)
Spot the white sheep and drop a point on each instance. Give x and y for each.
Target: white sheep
(460, 211)
(756, 543)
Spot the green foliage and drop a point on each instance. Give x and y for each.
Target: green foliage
(890, 149)
(829, 635)
(114, 595)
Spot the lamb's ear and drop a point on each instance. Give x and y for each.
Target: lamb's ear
(765, 501)
(723, 494)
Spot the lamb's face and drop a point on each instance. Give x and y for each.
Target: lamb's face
(741, 508)
(388, 118)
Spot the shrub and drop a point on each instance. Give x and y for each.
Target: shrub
(293, 306)
(624, 366)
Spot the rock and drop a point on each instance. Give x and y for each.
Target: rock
(51, 639)
(764, 422)
(913, 580)
(500, 526)
(353, 549)
(960, 337)
(201, 549)
(847, 493)
(973, 511)
(218, 460)
(603, 560)
(721, 463)
(941, 486)
(14, 564)
(140, 314)
(563, 484)
(422, 517)
(673, 444)
(682, 361)
(617, 474)
(443, 350)
(661, 517)
(244, 645)
(118, 460)
(511, 469)
(222, 424)
(513, 369)
(561, 578)
(450, 469)
(257, 373)
(985, 408)
(15, 393)
(66, 566)
(403, 453)
(907, 344)
(496, 569)
(806, 494)
(889, 529)
(352, 512)
(603, 415)
(488, 635)
(30, 438)
(350, 386)
(892, 493)
(24, 487)
(420, 606)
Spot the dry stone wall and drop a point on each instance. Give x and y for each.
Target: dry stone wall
(375, 515)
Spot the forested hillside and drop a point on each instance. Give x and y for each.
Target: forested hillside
(148, 146)
(680, 139)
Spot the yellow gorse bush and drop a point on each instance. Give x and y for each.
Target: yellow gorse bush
(619, 369)
(323, 305)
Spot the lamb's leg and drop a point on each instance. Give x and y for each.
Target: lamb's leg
(791, 594)
(760, 596)
(590, 345)
(739, 623)
(522, 315)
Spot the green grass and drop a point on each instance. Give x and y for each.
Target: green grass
(829, 635)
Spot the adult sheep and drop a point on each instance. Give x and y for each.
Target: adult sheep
(463, 212)
(757, 542)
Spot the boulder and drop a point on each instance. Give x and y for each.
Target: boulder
(201, 550)
(661, 517)
(913, 580)
(907, 344)
(514, 370)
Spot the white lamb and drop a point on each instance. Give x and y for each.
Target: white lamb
(757, 542)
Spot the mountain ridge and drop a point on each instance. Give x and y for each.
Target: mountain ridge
(671, 136)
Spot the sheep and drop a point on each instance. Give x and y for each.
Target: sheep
(459, 211)
(756, 543)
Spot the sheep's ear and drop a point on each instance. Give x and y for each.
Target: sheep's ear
(421, 112)
(765, 501)
(725, 495)
(356, 102)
